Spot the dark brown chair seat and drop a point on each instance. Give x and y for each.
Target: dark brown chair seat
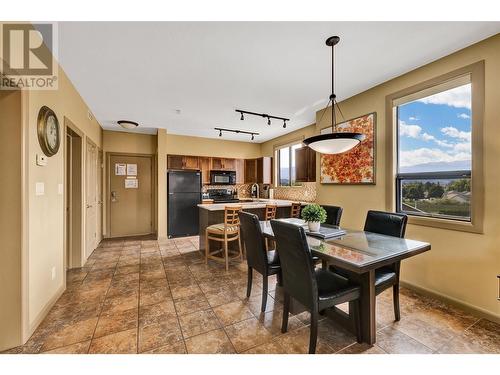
(316, 290)
(265, 262)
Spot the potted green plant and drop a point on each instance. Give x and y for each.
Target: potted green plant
(314, 215)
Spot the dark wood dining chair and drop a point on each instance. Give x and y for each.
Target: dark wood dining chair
(333, 214)
(265, 262)
(389, 224)
(316, 289)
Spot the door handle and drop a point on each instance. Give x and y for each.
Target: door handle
(114, 196)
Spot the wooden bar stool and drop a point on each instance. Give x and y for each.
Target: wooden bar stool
(225, 233)
(295, 212)
(270, 214)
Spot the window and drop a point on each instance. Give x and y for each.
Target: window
(435, 151)
(434, 137)
(286, 164)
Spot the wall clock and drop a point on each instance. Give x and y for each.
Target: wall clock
(48, 131)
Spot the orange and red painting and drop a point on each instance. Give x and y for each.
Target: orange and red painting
(356, 166)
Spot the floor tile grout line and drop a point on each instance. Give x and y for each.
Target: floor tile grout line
(102, 305)
(170, 289)
(139, 300)
(413, 338)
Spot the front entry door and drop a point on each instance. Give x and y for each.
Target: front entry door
(130, 195)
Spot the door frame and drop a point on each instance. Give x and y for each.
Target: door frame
(93, 144)
(78, 259)
(108, 188)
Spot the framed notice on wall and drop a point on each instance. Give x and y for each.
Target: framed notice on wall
(131, 183)
(131, 169)
(120, 169)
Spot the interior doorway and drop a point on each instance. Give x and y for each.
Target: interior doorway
(91, 198)
(130, 194)
(73, 200)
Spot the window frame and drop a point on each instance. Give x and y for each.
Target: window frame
(441, 83)
(277, 149)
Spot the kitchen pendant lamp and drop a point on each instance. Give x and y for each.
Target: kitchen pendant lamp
(334, 142)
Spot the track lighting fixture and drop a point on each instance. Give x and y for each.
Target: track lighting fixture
(264, 115)
(253, 134)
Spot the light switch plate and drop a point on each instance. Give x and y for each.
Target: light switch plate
(39, 188)
(60, 189)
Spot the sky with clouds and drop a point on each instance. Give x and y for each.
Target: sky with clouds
(435, 131)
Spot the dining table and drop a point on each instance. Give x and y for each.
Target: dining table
(361, 253)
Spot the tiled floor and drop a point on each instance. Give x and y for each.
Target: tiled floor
(149, 297)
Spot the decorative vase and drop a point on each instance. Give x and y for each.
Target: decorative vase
(313, 226)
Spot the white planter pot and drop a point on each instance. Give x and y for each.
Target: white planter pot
(313, 226)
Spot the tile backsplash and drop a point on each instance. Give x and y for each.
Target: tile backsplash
(304, 193)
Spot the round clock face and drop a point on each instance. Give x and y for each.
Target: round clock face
(51, 131)
(48, 131)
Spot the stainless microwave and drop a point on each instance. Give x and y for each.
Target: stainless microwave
(222, 177)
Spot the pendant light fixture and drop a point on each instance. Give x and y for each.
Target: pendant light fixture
(334, 142)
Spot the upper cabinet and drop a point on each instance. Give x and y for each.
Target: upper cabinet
(205, 169)
(205, 164)
(305, 165)
(182, 162)
(223, 164)
(259, 170)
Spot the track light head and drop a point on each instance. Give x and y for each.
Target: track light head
(220, 133)
(242, 117)
(268, 121)
(284, 123)
(252, 137)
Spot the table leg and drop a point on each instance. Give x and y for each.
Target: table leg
(368, 319)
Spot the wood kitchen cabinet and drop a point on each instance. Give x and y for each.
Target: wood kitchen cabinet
(259, 170)
(182, 162)
(175, 162)
(239, 167)
(305, 165)
(191, 162)
(223, 164)
(205, 169)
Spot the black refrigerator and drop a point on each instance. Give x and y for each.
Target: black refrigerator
(184, 195)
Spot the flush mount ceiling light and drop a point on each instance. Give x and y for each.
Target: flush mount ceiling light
(334, 142)
(126, 124)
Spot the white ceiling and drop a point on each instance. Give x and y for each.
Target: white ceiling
(146, 71)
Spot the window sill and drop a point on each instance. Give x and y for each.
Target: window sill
(461, 226)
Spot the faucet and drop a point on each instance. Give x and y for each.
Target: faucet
(255, 187)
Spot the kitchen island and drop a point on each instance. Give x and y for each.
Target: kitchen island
(213, 213)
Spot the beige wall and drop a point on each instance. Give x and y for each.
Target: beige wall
(461, 266)
(43, 229)
(10, 218)
(46, 248)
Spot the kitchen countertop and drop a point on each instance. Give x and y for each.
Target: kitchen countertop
(261, 203)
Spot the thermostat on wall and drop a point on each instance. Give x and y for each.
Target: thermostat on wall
(41, 160)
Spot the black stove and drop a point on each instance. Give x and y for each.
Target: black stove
(223, 195)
